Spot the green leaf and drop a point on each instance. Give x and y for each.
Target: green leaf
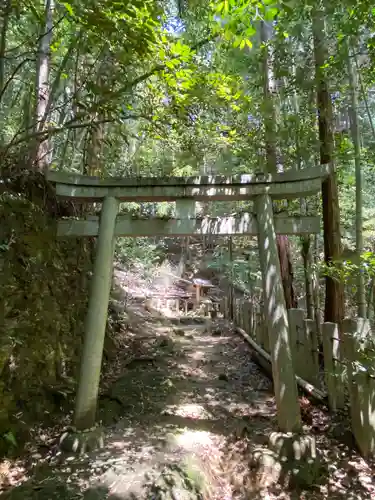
(68, 8)
(220, 7)
(271, 14)
(250, 31)
(185, 84)
(9, 438)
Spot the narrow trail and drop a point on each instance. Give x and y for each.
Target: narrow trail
(180, 421)
(179, 401)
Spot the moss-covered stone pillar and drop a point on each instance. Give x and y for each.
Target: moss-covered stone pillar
(276, 317)
(88, 385)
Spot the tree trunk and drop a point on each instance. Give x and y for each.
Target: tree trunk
(304, 240)
(286, 269)
(94, 153)
(270, 118)
(307, 267)
(356, 138)
(334, 300)
(5, 13)
(41, 149)
(315, 285)
(95, 140)
(231, 287)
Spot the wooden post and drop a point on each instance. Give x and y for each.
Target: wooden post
(288, 410)
(247, 311)
(333, 368)
(237, 320)
(231, 291)
(226, 308)
(88, 386)
(356, 334)
(296, 339)
(311, 335)
(241, 313)
(250, 313)
(259, 330)
(197, 295)
(304, 346)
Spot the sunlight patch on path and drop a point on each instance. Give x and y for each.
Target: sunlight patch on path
(190, 410)
(190, 439)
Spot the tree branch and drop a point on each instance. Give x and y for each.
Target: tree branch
(71, 125)
(155, 69)
(15, 71)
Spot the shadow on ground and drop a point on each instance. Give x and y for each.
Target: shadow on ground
(182, 417)
(181, 393)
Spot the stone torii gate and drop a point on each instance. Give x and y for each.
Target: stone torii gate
(261, 188)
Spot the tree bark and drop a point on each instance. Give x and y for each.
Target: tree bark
(286, 268)
(334, 299)
(270, 119)
(41, 147)
(356, 138)
(5, 13)
(307, 267)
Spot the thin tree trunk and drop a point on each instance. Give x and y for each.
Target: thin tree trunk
(269, 90)
(304, 240)
(334, 300)
(94, 153)
(365, 98)
(354, 127)
(41, 154)
(5, 13)
(231, 285)
(315, 285)
(53, 93)
(307, 266)
(370, 300)
(270, 118)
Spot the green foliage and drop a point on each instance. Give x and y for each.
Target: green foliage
(42, 324)
(346, 270)
(10, 439)
(236, 19)
(138, 252)
(243, 273)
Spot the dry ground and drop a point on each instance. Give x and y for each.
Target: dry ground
(182, 412)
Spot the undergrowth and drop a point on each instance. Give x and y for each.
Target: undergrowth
(43, 297)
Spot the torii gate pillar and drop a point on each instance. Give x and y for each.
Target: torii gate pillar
(96, 319)
(288, 410)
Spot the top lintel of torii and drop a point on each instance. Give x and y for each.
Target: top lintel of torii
(288, 185)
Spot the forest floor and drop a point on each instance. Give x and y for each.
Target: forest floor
(181, 417)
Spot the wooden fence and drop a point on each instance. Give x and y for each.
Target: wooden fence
(345, 370)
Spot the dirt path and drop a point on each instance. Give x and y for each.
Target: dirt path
(190, 407)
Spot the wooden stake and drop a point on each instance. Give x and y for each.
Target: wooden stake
(333, 367)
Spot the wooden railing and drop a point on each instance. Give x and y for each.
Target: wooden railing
(343, 372)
